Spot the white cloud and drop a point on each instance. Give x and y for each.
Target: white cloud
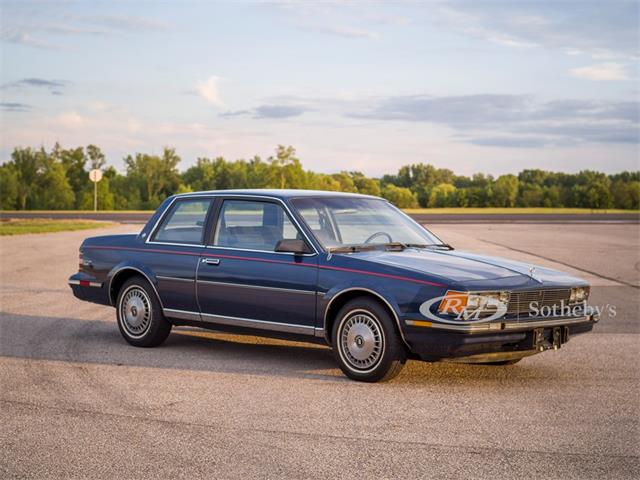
(97, 106)
(210, 91)
(133, 125)
(71, 120)
(601, 71)
(474, 25)
(129, 23)
(345, 31)
(604, 34)
(24, 38)
(508, 40)
(524, 20)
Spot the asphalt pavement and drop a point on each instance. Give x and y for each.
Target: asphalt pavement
(76, 401)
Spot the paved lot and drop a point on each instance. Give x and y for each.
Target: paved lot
(77, 401)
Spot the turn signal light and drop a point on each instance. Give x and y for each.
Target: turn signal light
(453, 302)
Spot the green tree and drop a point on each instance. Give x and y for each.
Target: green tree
(552, 197)
(531, 195)
(33, 178)
(365, 185)
(154, 176)
(258, 173)
(53, 191)
(126, 195)
(8, 187)
(626, 194)
(442, 195)
(74, 162)
(591, 190)
(598, 194)
(106, 198)
(97, 159)
(401, 197)
(505, 191)
(346, 182)
(201, 176)
(26, 163)
(286, 166)
(320, 181)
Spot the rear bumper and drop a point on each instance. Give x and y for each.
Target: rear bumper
(87, 288)
(437, 341)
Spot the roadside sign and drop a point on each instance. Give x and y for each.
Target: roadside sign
(95, 175)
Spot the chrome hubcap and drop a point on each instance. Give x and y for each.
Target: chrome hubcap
(361, 341)
(135, 311)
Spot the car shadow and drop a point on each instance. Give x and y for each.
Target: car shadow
(100, 342)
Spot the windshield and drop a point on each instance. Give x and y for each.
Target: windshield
(345, 222)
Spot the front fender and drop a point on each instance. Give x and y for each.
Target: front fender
(373, 288)
(350, 286)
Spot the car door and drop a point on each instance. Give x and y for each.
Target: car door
(174, 248)
(241, 279)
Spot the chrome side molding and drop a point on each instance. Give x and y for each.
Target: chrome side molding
(243, 322)
(181, 314)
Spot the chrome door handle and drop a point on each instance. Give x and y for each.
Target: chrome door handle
(211, 261)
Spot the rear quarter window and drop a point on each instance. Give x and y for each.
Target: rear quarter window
(185, 222)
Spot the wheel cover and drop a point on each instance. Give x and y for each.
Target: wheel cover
(362, 341)
(135, 311)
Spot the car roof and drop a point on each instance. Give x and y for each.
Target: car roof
(277, 193)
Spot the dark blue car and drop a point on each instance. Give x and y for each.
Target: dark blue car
(351, 271)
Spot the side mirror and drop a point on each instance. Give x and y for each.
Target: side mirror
(295, 246)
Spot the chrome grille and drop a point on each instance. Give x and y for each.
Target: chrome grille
(519, 302)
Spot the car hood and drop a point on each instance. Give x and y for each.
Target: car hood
(465, 267)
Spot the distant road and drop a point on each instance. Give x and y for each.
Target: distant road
(426, 218)
(526, 218)
(124, 217)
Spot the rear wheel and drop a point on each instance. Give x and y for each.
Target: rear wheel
(366, 343)
(139, 314)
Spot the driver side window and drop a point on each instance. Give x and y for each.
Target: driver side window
(253, 225)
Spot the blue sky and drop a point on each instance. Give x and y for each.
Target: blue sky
(472, 86)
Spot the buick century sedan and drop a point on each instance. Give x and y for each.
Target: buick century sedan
(351, 271)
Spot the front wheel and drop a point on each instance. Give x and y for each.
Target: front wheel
(366, 343)
(139, 314)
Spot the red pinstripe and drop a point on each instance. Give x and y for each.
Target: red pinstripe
(266, 260)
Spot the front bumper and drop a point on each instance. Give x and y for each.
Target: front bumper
(437, 341)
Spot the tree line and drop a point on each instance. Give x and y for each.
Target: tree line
(59, 180)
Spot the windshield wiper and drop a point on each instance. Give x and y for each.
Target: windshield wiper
(387, 246)
(396, 245)
(440, 245)
(402, 246)
(350, 248)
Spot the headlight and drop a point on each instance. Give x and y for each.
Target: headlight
(473, 303)
(579, 295)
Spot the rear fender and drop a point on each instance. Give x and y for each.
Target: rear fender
(127, 268)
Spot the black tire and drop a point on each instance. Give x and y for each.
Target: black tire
(366, 342)
(139, 314)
